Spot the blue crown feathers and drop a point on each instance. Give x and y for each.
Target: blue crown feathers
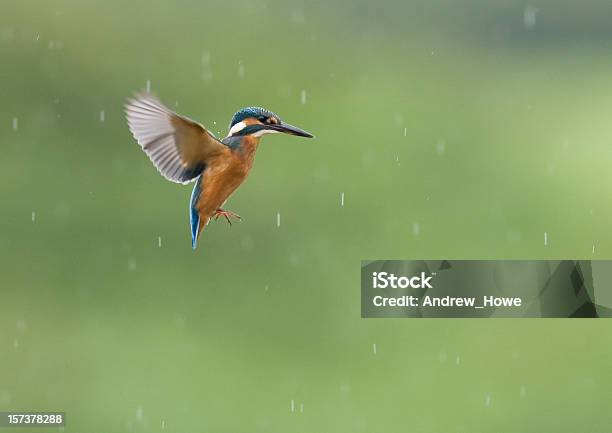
(257, 112)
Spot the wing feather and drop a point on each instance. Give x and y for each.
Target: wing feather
(177, 146)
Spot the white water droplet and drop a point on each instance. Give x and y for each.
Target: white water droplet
(102, 116)
(241, 71)
(488, 401)
(205, 58)
(593, 249)
(374, 350)
(163, 424)
(21, 325)
(148, 86)
(301, 407)
(33, 216)
(278, 219)
(292, 405)
(530, 17)
(545, 238)
(457, 360)
(139, 414)
(342, 199)
(15, 124)
(159, 242)
(405, 132)
(303, 97)
(416, 229)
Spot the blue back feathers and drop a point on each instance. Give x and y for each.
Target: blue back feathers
(257, 112)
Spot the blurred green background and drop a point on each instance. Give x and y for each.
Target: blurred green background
(454, 129)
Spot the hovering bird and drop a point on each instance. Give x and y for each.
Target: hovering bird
(184, 151)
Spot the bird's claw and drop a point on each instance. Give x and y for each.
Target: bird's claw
(226, 214)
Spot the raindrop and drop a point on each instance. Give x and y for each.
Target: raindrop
(38, 37)
(457, 360)
(139, 414)
(530, 17)
(278, 219)
(102, 116)
(205, 58)
(545, 239)
(33, 216)
(163, 424)
(21, 325)
(416, 229)
(207, 75)
(405, 132)
(441, 147)
(301, 407)
(292, 405)
(593, 249)
(488, 401)
(131, 264)
(342, 199)
(241, 71)
(523, 391)
(15, 123)
(148, 87)
(303, 97)
(159, 241)
(297, 16)
(374, 348)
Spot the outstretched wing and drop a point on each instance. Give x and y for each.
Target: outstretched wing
(177, 146)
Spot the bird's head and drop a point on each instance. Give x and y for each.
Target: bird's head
(257, 121)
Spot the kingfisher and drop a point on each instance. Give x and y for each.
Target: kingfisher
(184, 151)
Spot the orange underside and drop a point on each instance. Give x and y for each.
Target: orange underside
(222, 176)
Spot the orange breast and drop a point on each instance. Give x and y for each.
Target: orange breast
(223, 175)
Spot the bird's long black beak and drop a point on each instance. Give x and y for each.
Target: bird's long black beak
(290, 129)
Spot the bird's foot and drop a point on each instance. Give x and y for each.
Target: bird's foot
(227, 215)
